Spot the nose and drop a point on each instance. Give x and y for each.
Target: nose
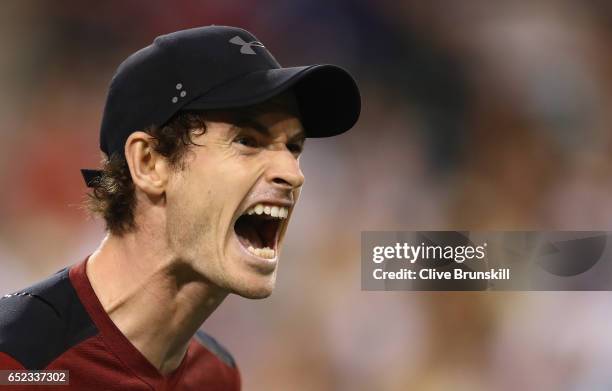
(284, 170)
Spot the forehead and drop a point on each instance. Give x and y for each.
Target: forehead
(270, 124)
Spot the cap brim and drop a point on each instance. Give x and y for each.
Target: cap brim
(327, 96)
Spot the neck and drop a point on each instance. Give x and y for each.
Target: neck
(157, 300)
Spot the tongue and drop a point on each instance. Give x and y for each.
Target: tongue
(247, 234)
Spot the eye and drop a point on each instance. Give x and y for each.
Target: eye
(295, 148)
(247, 141)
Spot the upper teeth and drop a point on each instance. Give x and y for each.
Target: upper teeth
(271, 210)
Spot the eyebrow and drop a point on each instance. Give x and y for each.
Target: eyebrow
(262, 129)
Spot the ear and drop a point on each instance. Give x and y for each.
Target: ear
(149, 169)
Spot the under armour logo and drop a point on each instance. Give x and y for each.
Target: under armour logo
(246, 47)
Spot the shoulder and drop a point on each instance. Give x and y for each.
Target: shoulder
(39, 323)
(214, 347)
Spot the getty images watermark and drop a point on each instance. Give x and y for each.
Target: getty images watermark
(468, 260)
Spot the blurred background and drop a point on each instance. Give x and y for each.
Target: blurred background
(477, 114)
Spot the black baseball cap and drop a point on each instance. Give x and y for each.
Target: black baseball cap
(218, 67)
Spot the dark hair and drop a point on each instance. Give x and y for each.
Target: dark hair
(113, 196)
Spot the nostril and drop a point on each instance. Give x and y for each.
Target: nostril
(281, 181)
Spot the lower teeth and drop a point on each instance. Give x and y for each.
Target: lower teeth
(265, 252)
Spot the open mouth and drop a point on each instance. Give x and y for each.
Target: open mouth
(259, 227)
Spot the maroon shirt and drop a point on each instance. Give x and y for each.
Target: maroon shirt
(59, 324)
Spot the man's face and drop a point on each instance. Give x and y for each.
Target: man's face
(228, 209)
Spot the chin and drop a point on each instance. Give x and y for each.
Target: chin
(257, 290)
(249, 275)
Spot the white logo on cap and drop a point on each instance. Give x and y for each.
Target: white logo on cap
(182, 93)
(246, 47)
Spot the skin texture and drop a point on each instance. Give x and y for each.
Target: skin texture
(184, 258)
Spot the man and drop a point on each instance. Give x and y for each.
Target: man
(201, 133)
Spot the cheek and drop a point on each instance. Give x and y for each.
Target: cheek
(203, 199)
(187, 219)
